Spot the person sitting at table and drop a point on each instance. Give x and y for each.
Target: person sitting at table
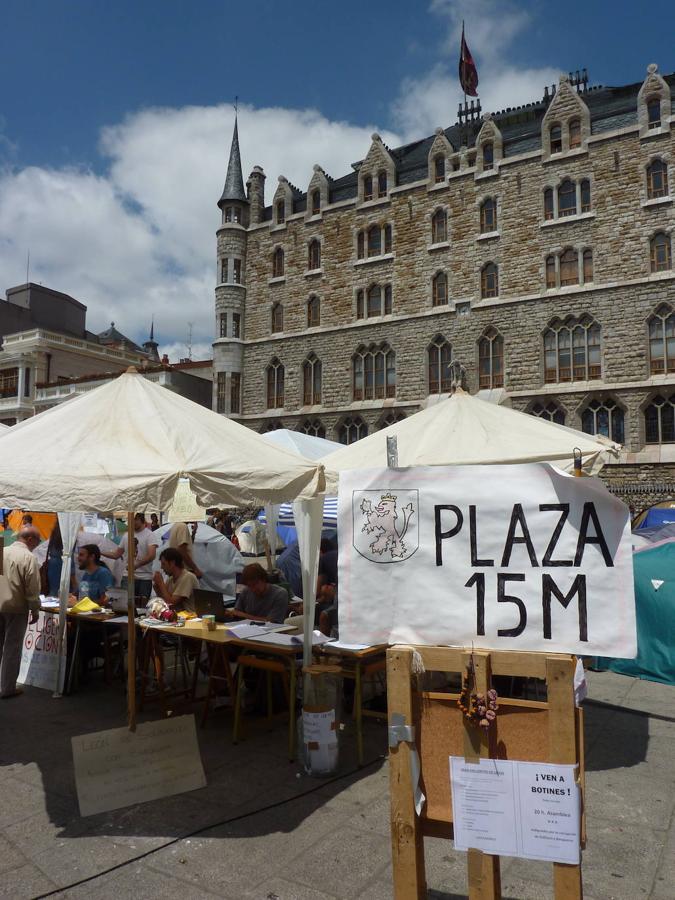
(178, 590)
(96, 578)
(259, 599)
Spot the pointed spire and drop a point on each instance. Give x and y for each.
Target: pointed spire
(234, 182)
(151, 346)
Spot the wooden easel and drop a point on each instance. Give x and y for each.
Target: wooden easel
(531, 730)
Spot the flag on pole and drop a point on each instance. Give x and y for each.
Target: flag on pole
(468, 73)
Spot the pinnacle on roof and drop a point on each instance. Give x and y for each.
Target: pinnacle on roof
(234, 181)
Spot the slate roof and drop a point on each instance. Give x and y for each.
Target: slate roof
(111, 336)
(234, 181)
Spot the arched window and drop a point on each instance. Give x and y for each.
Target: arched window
(439, 168)
(378, 301)
(387, 300)
(556, 139)
(657, 179)
(654, 112)
(382, 184)
(489, 281)
(232, 214)
(275, 385)
(387, 238)
(660, 420)
(488, 215)
(360, 307)
(236, 271)
(585, 195)
(588, 265)
(572, 351)
(391, 418)
(439, 357)
(660, 252)
(314, 255)
(549, 211)
(313, 427)
(368, 187)
(374, 240)
(549, 411)
(311, 380)
(277, 318)
(360, 245)
(491, 360)
(374, 373)
(316, 202)
(603, 417)
(352, 429)
(313, 312)
(439, 289)
(662, 341)
(281, 212)
(488, 155)
(374, 301)
(567, 198)
(551, 275)
(569, 267)
(575, 133)
(439, 227)
(278, 263)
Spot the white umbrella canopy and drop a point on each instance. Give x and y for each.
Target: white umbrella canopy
(306, 445)
(464, 430)
(126, 444)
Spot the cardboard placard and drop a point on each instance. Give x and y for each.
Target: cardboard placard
(40, 653)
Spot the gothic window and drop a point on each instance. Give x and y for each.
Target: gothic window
(387, 238)
(311, 380)
(360, 307)
(491, 360)
(585, 194)
(382, 184)
(488, 155)
(314, 255)
(439, 169)
(374, 301)
(277, 318)
(313, 312)
(278, 263)
(387, 300)
(439, 227)
(489, 281)
(236, 271)
(439, 289)
(575, 133)
(368, 188)
(572, 351)
(488, 215)
(556, 139)
(378, 302)
(374, 373)
(551, 275)
(660, 252)
(549, 211)
(551, 412)
(235, 393)
(588, 265)
(352, 429)
(221, 387)
(275, 385)
(236, 325)
(391, 418)
(360, 245)
(654, 112)
(660, 420)
(223, 324)
(316, 203)
(281, 212)
(657, 179)
(567, 198)
(374, 241)
(662, 341)
(313, 427)
(603, 417)
(569, 268)
(439, 357)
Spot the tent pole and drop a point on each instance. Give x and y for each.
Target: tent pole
(131, 617)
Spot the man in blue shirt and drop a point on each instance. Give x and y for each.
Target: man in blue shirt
(95, 579)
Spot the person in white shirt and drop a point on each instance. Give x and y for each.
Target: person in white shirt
(145, 551)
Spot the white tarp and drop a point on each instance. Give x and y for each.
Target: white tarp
(499, 557)
(306, 445)
(126, 444)
(463, 430)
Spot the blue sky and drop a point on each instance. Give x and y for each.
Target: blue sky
(119, 113)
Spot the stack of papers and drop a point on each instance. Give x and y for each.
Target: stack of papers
(86, 606)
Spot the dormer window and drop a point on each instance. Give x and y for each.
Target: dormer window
(575, 134)
(488, 155)
(316, 203)
(654, 112)
(281, 212)
(556, 139)
(382, 184)
(439, 169)
(367, 188)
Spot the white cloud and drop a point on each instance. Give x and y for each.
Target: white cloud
(140, 239)
(429, 101)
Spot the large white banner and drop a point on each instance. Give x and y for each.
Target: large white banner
(499, 557)
(40, 654)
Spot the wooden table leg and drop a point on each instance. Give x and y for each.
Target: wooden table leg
(195, 674)
(75, 658)
(237, 705)
(358, 712)
(291, 712)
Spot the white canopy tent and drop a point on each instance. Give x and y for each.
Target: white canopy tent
(126, 445)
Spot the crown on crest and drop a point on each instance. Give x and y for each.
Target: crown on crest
(388, 496)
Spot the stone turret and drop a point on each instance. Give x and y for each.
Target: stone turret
(256, 194)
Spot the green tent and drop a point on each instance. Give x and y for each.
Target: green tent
(655, 609)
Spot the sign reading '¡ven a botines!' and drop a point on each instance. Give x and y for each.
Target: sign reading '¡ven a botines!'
(521, 557)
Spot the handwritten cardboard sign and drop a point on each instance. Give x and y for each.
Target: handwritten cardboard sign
(40, 653)
(521, 557)
(118, 767)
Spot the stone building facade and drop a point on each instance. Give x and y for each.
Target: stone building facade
(527, 255)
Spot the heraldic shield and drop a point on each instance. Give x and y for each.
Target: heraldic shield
(386, 524)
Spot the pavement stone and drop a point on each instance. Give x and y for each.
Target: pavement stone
(24, 883)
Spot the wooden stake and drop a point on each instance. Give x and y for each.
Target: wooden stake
(131, 618)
